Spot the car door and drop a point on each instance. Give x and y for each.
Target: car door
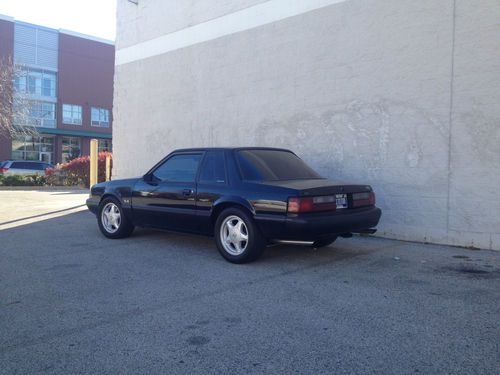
(22, 167)
(212, 184)
(166, 197)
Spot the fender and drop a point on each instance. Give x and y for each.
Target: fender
(122, 194)
(119, 189)
(231, 199)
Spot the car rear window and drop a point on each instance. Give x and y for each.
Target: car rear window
(273, 165)
(3, 164)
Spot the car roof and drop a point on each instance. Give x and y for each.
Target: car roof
(27, 161)
(229, 148)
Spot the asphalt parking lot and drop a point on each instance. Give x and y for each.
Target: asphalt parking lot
(72, 301)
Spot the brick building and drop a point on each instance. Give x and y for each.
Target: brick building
(68, 79)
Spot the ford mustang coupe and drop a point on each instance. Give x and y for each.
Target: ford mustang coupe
(245, 197)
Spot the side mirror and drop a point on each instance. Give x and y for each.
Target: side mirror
(148, 177)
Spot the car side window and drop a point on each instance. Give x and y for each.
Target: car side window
(21, 165)
(179, 168)
(213, 169)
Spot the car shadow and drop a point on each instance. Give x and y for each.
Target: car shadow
(78, 231)
(273, 254)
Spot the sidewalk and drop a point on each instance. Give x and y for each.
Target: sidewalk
(19, 207)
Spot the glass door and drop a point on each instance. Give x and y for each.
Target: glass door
(46, 157)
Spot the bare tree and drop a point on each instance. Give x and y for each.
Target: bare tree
(14, 106)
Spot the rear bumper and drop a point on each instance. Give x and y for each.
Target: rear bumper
(311, 227)
(93, 205)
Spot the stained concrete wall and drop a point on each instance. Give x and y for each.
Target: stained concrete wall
(399, 94)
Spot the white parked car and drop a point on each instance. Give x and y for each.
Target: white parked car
(25, 167)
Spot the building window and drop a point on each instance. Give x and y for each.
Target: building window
(72, 114)
(35, 113)
(100, 117)
(33, 148)
(42, 114)
(70, 148)
(36, 82)
(104, 145)
(35, 46)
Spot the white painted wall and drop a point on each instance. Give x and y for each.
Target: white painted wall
(399, 94)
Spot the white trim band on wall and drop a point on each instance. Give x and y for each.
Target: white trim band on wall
(245, 19)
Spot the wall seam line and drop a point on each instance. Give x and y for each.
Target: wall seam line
(450, 115)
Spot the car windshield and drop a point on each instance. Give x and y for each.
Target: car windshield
(273, 165)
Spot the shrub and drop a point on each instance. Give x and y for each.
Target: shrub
(77, 171)
(22, 180)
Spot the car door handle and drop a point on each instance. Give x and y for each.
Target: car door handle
(187, 192)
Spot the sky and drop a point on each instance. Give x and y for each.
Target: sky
(92, 17)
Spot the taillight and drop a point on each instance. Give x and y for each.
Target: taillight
(311, 204)
(363, 199)
(3, 170)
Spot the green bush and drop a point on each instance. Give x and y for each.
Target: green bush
(22, 180)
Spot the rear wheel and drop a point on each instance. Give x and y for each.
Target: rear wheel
(323, 242)
(112, 221)
(238, 238)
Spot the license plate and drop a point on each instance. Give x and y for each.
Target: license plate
(341, 200)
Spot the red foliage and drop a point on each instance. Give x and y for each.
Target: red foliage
(77, 171)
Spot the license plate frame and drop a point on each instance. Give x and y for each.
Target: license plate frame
(341, 201)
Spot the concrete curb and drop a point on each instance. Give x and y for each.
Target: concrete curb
(45, 188)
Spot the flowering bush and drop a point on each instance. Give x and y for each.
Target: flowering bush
(77, 171)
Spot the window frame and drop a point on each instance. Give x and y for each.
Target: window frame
(101, 149)
(72, 112)
(34, 109)
(33, 145)
(67, 149)
(29, 80)
(165, 160)
(100, 122)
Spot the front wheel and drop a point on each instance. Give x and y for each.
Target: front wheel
(238, 238)
(111, 219)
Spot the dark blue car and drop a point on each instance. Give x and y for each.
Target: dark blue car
(245, 197)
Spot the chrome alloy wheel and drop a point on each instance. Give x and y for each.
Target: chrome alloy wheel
(111, 217)
(234, 235)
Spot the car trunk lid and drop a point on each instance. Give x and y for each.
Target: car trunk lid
(315, 195)
(317, 187)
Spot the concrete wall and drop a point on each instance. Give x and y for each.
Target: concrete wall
(399, 94)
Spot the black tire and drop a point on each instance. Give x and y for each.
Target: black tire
(323, 242)
(255, 245)
(125, 226)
